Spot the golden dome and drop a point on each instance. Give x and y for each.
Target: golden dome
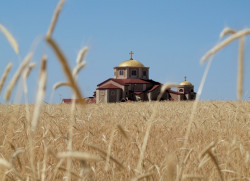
(131, 63)
(186, 83)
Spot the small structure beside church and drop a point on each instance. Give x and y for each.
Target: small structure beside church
(131, 83)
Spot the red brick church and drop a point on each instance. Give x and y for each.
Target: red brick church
(131, 83)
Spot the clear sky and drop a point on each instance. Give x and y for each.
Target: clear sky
(170, 37)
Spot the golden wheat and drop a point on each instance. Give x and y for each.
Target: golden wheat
(55, 18)
(10, 38)
(40, 92)
(240, 69)
(4, 77)
(17, 76)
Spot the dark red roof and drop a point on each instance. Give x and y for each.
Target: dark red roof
(126, 81)
(175, 92)
(138, 93)
(154, 87)
(109, 86)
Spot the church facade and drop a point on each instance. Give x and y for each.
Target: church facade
(131, 83)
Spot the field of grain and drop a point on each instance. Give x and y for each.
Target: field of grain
(122, 141)
(218, 145)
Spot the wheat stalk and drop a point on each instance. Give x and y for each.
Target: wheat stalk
(5, 75)
(109, 149)
(54, 18)
(26, 75)
(60, 84)
(192, 116)
(41, 92)
(66, 68)
(240, 69)
(10, 38)
(78, 68)
(17, 76)
(215, 161)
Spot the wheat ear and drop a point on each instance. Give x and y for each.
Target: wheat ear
(4, 77)
(54, 18)
(123, 132)
(40, 93)
(224, 43)
(66, 68)
(81, 55)
(10, 38)
(17, 76)
(227, 31)
(78, 68)
(5, 163)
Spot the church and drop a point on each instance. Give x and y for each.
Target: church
(131, 82)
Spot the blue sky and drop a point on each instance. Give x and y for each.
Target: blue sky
(170, 37)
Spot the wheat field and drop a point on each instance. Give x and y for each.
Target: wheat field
(119, 129)
(207, 140)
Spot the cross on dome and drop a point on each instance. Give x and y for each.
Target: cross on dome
(131, 53)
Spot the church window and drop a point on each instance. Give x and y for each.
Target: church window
(133, 72)
(144, 73)
(121, 72)
(180, 90)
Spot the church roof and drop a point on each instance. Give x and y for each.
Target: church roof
(125, 81)
(109, 86)
(131, 63)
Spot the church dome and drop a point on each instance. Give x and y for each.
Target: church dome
(186, 83)
(131, 63)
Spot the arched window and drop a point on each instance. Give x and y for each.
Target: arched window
(133, 72)
(144, 73)
(180, 90)
(121, 72)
